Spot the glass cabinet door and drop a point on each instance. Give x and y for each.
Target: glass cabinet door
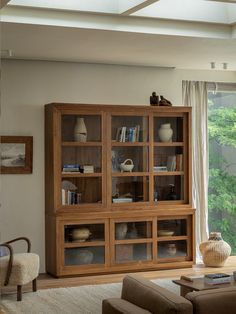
(132, 241)
(170, 165)
(81, 159)
(172, 239)
(84, 244)
(129, 159)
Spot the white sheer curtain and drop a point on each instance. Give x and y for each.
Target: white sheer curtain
(195, 96)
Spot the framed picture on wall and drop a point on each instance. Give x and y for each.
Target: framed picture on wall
(16, 154)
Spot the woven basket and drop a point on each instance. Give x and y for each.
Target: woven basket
(215, 251)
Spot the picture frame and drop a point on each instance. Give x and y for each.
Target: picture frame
(16, 154)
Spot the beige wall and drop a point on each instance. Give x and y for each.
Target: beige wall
(28, 85)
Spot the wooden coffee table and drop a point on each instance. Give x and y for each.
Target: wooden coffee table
(198, 284)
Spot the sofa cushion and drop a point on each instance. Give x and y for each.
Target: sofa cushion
(152, 297)
(214, 301)
(119, 306)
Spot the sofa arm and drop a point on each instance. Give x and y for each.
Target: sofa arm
(119, 306)
(152, 297)
(217, 301)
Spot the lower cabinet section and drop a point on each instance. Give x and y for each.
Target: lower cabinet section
(119, 244)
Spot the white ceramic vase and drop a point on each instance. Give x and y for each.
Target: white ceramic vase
(80, 131)
(165, 132)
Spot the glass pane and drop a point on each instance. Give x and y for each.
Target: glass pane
(168, 188)
(81, 128)
(172, 249)
(222, 165)
(129, 189)
(81, 190)
(75, 159)
(84, 233)
(129, 129)
(133, 230)
(172, 227)
(85, 255)
(136, 156)
(133, 252)
(168, 159)
(168, 129)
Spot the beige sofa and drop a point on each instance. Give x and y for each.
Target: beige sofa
(141, 296)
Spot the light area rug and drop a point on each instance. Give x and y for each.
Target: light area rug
(74, 300)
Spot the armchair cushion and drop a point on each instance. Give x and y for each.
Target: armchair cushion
(25, 268)
(215, 301)
(152, 297)
(119, 306)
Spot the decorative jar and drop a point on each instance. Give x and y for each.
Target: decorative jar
(80, 131)
(165, 132)
(80, 234)
(215, 251)
(121, 230)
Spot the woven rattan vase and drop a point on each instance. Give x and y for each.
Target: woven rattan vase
(215, 251)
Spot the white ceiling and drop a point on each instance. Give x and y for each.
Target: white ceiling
(79, 36)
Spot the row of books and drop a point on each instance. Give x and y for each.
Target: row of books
(175, 162)
(128, 134)
(78, 168)
(70, 197)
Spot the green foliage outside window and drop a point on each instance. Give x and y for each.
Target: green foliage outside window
(222, 183)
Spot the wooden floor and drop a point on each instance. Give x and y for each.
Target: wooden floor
(46, 281)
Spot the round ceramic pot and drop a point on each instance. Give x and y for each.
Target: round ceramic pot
(215, 251)
(171, 249)
(80, 234)
(165, 133)
(84, 257)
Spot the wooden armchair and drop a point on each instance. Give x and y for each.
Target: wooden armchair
(19, 268)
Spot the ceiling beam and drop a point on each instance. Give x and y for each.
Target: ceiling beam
(3, 3)
(226, 1)
(135, 6)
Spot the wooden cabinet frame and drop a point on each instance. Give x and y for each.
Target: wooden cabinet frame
(107, 212)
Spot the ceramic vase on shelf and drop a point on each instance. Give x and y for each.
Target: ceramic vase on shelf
(165, 132)
(215, 251)
(80, 131)
(121, 230)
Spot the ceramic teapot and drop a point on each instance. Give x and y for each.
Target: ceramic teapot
(80, 234)
(127, 165)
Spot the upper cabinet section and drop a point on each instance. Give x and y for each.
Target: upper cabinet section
(113, 157)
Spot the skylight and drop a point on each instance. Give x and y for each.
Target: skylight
(212, 11)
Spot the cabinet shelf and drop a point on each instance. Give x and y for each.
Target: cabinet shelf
(81, 144)
(114, 143)
(80, 175)
(83, 244)
(168, 144)
(171, 238)
(169, 173)
(133, 241)
(130, 174)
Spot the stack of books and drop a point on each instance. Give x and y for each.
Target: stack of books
(216, 279)
(71, 168)
(88, 169)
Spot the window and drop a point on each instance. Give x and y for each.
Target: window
(222, 164)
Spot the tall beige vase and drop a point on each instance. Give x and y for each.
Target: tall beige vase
(80, 131)
(215, 251)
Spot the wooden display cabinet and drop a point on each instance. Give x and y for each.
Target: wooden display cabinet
(102, 218)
